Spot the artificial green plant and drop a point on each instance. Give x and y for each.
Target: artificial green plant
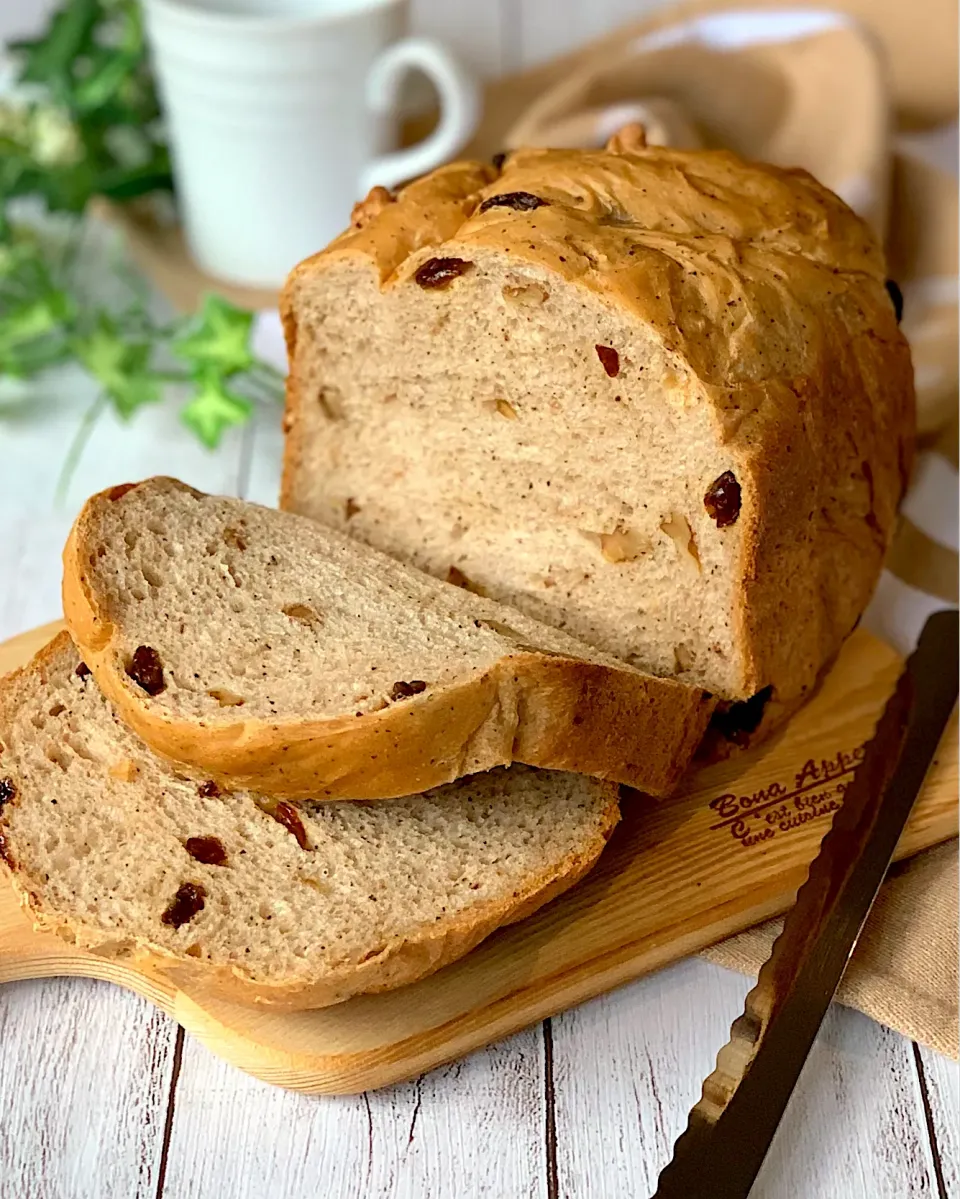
(83, 121)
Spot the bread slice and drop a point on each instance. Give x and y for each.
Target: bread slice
(655, 398)
(273, 653)
(123, 854)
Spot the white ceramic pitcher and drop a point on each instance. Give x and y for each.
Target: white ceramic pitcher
(281, 113)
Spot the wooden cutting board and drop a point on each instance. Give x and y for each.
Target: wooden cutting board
(730, 850)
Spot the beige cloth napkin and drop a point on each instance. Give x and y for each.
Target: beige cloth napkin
(904, 970)
(811, 89)
(766, 87)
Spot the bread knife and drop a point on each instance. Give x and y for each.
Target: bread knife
(732, 1125)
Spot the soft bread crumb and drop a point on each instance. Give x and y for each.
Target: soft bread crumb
(105, 860)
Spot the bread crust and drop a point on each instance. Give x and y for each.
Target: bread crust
(425, 949)
(541, 709)
(767, 290)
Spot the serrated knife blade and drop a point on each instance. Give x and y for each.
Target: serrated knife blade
(732, 1125)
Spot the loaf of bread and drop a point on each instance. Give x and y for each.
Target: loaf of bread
(657, 399)
(263, 902)
(272, 653)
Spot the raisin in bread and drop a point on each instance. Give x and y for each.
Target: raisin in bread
(277, 654)
(124, 855)
(655, 398)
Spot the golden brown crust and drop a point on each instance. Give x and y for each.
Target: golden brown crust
(769, 291)
(554, 712)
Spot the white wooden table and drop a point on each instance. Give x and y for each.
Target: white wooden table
(102, 1097)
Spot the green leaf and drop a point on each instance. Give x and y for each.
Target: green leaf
(19, 256)
(14, 126)
(110, 70)
(122, 368)
(49, 58)
(91, 68)
(32, 319)
(15, 167)
(214, 409)
(33, 332)
(36, 356)
(64, 189)
(126, 183)
(219, 339)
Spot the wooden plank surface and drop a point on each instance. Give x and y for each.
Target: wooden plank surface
(84, 1076)
(474, 1128)
(641, 1055)
(938, 1080)
(858, 1076)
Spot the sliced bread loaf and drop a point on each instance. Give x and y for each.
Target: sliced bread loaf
(273, 653)
(123, 854)
(656, 398)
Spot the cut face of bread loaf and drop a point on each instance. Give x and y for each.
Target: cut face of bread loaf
(271, 652)
(126, 856)
(656, 399)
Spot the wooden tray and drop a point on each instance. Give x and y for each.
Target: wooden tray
(727, 852)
